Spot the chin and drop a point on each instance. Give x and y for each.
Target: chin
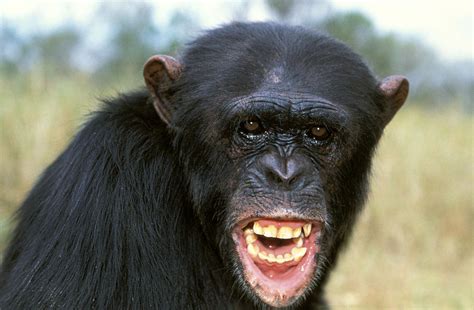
(278, 257)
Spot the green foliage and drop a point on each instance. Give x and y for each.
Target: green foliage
(283, 8)
(11, 48)
(432, 83)
(132, 39)
(132, 36)
(54, 51)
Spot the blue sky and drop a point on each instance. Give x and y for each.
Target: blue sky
(447, 26)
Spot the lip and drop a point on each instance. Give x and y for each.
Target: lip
(279, 284)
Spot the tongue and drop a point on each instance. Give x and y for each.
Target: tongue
(274, 245)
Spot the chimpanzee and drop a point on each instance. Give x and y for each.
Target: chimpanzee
(233, 181)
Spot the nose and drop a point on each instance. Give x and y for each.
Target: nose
(288, 173)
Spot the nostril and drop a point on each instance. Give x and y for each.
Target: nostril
(273, 177)
(279, 178)
(282, 172)
(293, 180)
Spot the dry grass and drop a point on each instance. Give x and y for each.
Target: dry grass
(413, 247)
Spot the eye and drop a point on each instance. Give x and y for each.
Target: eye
(319, 132)
(251, 127)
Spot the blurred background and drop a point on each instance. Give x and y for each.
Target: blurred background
(413, 246)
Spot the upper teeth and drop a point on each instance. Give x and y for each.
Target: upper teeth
(307, 229)
(284, 232)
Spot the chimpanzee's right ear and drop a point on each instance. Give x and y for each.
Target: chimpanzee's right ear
(394, 89)
(160, 71)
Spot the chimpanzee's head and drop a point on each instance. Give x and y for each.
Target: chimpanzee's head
(275, 127)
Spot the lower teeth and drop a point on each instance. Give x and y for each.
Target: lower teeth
(296, 254)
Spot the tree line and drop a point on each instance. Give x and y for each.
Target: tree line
(130, 35)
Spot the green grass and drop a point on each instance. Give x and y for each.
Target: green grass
(413, 246)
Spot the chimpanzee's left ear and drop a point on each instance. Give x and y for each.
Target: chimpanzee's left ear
(394, 89)
(160, 71)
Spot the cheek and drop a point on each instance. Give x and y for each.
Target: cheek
(234, 152)
(216, 180)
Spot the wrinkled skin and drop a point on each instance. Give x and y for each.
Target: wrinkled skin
(255, 121)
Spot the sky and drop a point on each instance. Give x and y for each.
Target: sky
(447, 26)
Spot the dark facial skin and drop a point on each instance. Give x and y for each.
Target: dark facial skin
(286, 153)
(281, 144)
(276, 166)
(298, 141)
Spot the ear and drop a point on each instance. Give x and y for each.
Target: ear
(394, 89)
(160, 72)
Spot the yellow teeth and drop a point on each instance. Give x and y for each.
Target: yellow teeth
(270, 231)
(296, 232)
(280, 259)
(298, 253)
(307, 229)
(262, 255)
(298, 241)
(257, 228)
(253, 250)
(250, 238)
(248, 231)
(283, 232)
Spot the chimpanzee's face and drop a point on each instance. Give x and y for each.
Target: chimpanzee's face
(290, 150)
(286, 173)
(276, 141)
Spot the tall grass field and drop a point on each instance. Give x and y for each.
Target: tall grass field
(413, 245)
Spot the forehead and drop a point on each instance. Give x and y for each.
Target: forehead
(242, 63)
(291, 104)
(241, 58)
(285, 110)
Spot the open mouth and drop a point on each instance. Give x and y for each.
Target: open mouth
(278, 257)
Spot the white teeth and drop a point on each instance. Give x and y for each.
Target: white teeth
(307, 229)
(271, 258)
(296, 232)
(285, 233)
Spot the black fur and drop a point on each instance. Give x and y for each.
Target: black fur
(134, 215)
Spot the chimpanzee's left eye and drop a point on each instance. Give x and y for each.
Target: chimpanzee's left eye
(251, 127)
(319, 132)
